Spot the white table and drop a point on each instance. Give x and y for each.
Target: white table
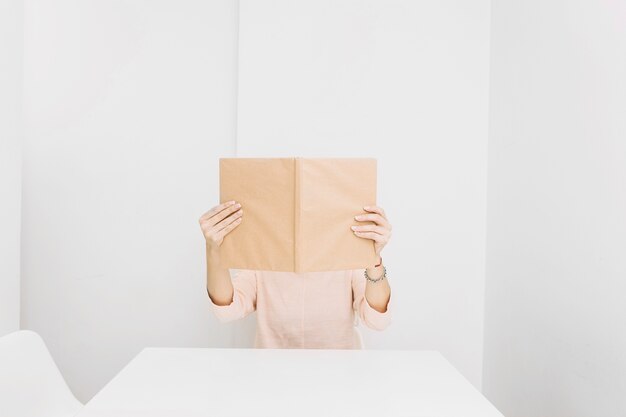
(194, 382)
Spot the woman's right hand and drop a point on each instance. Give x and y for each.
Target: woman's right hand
(218, 222)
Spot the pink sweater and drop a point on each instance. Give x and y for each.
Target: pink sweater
(313, 310)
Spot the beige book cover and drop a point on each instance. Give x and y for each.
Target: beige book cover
(297, 213)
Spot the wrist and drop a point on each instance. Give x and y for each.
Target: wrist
(375, 274)
(212, 251)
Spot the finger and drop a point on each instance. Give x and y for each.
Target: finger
(370, 228)
(217, 209)
(371, 235)
(374, 217)
(209, 227)
(222, 233)
(375, 209)
(228, 220)
(215, 219)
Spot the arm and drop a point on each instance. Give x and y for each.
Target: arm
(230, 299)
(377, 293)
(243, 301)
(370, 313)
(218, 283)
(374, 304)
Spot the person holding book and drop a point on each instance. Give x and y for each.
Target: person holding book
(313, 310)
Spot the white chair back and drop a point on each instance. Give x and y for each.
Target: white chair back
(31, 385)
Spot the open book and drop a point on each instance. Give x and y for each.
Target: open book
(297, 213)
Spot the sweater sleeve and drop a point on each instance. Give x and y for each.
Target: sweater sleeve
(371, 317)
(244, 297)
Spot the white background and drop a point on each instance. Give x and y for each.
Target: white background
(137, 102)
(127, 106)
(407, 83)
(555, 332)
(11, 28)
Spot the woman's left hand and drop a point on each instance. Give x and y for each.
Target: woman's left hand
(380, 232)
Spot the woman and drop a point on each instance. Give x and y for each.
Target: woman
(312, 310)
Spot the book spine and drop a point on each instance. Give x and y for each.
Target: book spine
(296, 205)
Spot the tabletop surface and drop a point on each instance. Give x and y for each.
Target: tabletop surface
(288, 382)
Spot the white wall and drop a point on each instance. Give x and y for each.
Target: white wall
(405, 82)
(555, 332)
(128, 105)
(11, 44)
